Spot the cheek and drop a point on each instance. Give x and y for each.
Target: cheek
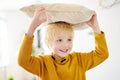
(55, 48)
(70, 46)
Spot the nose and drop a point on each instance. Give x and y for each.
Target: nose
(66, 45)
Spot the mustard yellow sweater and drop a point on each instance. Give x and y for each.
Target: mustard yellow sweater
(73, 67)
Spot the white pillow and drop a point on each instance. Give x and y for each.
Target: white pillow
(71, 13)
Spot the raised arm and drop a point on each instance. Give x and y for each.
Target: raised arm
(38, 18)
(100, 53)
(93, 23)
(25, 59)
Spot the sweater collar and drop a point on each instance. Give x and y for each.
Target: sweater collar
(60, 60)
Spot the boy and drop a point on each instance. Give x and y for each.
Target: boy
(61, 65)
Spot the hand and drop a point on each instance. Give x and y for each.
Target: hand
(93, 23)
(38, 18)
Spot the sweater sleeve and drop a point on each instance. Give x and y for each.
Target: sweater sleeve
(25, 60)
(97, 56)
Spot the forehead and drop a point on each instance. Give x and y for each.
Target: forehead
(64, 34)
(59, 29)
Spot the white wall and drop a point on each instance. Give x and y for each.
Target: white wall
(109, 21)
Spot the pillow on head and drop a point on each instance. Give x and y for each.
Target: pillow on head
(71, 13)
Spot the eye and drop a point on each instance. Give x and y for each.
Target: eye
(59, 40)
(69, 39)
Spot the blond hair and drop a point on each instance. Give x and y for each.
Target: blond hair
(54, 29)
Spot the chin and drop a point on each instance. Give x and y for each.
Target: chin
(63, 54)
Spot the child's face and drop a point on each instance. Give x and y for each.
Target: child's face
(62, 44)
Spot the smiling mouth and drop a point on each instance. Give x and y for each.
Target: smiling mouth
(64, 51)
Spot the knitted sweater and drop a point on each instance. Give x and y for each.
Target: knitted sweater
(73, 67)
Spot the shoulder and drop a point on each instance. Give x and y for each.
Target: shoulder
(43, 58)
(75, 54)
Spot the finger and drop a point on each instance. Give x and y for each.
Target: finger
(40, 8)
(39, 11)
